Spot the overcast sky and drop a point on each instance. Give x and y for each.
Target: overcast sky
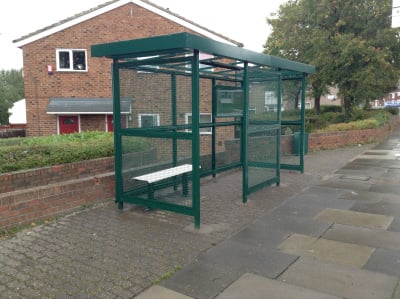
(243, 21)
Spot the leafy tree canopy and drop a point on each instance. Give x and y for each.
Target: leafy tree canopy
(11, 90)
(350, 42)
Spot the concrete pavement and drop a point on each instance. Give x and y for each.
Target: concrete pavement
(337, 238)
(332, 232)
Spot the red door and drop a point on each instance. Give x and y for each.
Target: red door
(68, 124)
(110, 122)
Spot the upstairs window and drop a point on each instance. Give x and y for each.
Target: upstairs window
(73, 60)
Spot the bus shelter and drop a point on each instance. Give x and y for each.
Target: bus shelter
(201, 107)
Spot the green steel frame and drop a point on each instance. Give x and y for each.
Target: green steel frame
(172, 54)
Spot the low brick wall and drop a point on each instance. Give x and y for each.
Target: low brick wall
(25, 179)
(26, 206)
(28, 196)
(31, 195)
(321, 141)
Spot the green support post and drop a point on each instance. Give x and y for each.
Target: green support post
(196, 138)
(278, 135)
(117, 135)
(213, 135)
(244, 133)
(174, 122)
(303, 116)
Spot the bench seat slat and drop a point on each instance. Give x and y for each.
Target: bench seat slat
(164, 174)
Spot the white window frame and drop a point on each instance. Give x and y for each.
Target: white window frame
(156, 115)
(203, 131)
(270, 101)
(71, 67)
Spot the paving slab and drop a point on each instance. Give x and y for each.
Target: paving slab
(396, 294)
(237, 257)
(260, 236)
(392, 189)
(327, 250)
(358, 163)
(354, 168)
(378, 203)
(200, 280)
(363, 196)
(160, 292)
(378, 154)
(339, 280)
(251, 286)
(377, 238)
(385, 261)
(315, 192)
(293, 224)
(391, 164)
(312, 204)
(395, 225)
(346, 184)
(355, 218)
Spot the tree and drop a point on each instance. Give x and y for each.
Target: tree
(349, 41)
(11, 90)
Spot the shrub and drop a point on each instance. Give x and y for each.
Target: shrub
(359, 114)
(26, 153)
(392, 110)
(370, 123)
(331, 108)
(332, 117)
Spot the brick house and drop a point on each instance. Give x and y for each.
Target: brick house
(68, 91)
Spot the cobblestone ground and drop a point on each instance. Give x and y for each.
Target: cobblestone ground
(102, 252)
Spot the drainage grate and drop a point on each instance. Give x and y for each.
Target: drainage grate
(375, 153)
(355, 177)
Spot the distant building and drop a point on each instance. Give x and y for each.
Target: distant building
(17, 113)
(331, 98)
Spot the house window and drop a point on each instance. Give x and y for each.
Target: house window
(205, 118)
(71, 60)
(270, 101)
(149, 120)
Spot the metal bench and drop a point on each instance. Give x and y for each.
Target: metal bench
(160, 175)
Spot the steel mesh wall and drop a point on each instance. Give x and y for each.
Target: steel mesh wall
(263, 131)
(291, 121)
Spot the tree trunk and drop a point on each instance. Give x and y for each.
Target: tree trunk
(317, 105)
(348, 107)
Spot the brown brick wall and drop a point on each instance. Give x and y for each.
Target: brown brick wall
(115, 25)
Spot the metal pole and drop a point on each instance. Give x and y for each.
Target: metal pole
(244, 134)
(117, 135)
(196, 138)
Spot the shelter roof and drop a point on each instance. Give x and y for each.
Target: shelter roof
(185, 42)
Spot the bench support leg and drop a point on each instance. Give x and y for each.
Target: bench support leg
(185, 189)
(150, 191)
